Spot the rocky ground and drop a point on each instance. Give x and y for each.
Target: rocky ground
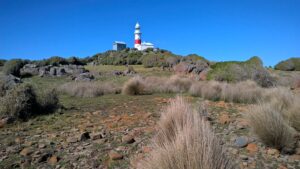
(118, 135)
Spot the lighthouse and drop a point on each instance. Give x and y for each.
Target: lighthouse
(137, 37)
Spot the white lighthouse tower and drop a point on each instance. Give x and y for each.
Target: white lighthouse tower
(137, 37)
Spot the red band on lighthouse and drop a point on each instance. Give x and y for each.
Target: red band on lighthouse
(137, 41)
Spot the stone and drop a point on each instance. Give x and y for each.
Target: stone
(85, 77)
(10, 81)
(85, 136)
(273, 152)
(128, 139)
(244, 157)
(53, 160)
(241, 142)
(44, 157)
(252, 148)
(52, 71)
(72, 140)
(113, 155)
(26, 151)
(95, 136)
(224, 119)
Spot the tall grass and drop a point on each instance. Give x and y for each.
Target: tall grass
(185, 141)
(241, 92)
(88, 89)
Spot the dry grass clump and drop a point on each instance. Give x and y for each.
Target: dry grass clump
(174, 84)
(275, 119)
(269, 125)
(88, 89)
(185, 141)
(241, 92)
(134, 86)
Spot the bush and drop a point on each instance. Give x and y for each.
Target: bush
(13, 67)
(88, 89)
(268, 124)
(56, 61)
(251, 69)
(75, 61)
(289, 65)
(2, 62)
(19, 103)
(48, 101)
(22, 102)
(134, 86)
(185, 140)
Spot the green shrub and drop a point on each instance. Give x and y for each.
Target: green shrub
(193, 58)
(2, 62)
(13, 67)
(75, 61)
(56, 61)
(23, 102)
(234, 71)
(289, 65)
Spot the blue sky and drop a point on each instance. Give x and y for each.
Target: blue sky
(219, 30)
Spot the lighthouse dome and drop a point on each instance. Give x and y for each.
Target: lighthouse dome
(137, 25)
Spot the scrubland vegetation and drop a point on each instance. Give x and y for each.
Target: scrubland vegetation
(107, 103)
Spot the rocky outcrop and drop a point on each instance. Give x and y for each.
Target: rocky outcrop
(197, 68)
(62, 70)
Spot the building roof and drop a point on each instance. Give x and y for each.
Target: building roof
(137, 25)
(119, 42)
(148, 44)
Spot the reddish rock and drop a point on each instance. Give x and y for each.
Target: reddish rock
(113, 155)
(252, 148)
(53, 160)
(26, 152)
(273, 152)
(224, 119)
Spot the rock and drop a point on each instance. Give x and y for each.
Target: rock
(95, 136)
(224, 119)
(117, 73)
(241, 142)
(113, 155)
(52, 71)
(86, 77)
(72, 140)
(128, 139)
(10, 81)
(85, 136)
(41, 146)
(244, 157)
(26, 151)
(44, 157)
(29, 69)
(19, 140)
(252, 148)
(61, 71)
(273, 152)
(6, 121)
(53, 160)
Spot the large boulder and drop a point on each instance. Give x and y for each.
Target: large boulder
(84, 77)
(61, 71)
(29, 69)
(53, 71)
(8, 82)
